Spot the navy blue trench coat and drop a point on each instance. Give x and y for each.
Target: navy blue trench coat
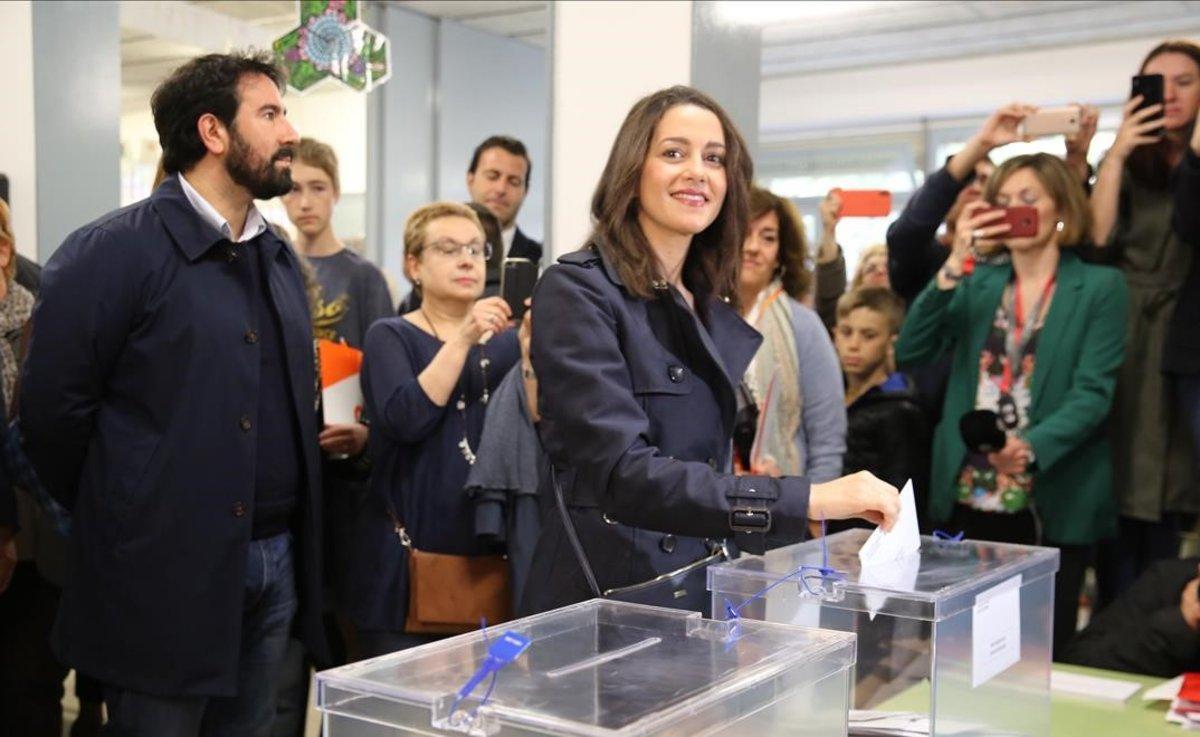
(638, 402)
(142, 369)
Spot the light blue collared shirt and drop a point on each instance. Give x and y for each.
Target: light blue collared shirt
(255, 224)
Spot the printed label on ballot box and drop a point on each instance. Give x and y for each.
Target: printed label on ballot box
(996, 631)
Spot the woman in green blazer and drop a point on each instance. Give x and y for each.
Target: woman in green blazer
(1037, 337)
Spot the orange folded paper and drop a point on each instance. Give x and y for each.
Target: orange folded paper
(340, 389)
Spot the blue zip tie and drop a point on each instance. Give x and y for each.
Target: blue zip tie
(501, 652)
(823, 571)
(946, 536)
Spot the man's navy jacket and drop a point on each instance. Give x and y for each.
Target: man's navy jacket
(136, 399)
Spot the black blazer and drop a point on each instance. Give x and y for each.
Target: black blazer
(138, 372)
(525, 247)
(639, 425)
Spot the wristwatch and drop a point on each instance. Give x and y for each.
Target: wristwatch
(949, 275)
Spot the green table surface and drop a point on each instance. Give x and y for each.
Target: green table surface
(1072, 716)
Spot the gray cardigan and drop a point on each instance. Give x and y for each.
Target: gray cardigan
(821, 437)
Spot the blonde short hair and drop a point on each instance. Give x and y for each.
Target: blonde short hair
(1063, 187)
(418, 222)
(868, 253)
(320, 155)
(6, 236)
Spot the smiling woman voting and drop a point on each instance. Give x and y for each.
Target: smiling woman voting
(638, 348)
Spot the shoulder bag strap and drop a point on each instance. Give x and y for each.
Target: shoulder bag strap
(572, 535)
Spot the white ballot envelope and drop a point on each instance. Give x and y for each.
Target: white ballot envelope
(892, 560)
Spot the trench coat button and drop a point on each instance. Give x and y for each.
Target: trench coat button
(251, 337)
(231, 254)
(239, 509)
(667, 544)
(245, 423)
(675, 373)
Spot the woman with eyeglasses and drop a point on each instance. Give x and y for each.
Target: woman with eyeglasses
(426, 378)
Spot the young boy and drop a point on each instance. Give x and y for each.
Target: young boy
(887, 431)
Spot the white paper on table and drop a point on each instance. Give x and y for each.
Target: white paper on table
(1092, 687)
(996, 631)
(1165, 691)
(343, 401)
(904, 538)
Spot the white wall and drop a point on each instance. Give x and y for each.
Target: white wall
(400, 135)
(606, 55)
(17, 145)
(335, 116)
(1095, 73)
(488, 85)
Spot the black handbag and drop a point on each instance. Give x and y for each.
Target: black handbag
(682, 588)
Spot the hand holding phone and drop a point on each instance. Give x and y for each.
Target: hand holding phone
(864, 203)
(1141, 122)
(1150, 88)
(1051, 121)
(1022, 220)
(516, 284)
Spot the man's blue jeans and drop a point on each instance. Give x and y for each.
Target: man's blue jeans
(267, 613)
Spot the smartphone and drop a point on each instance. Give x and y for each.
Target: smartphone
(1150, 87)
(516, 284)
(1022, 221)
(865, 203)
(1051, 122)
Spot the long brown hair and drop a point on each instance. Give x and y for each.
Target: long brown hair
(1151, 164)
(793, 245)
(712, 260)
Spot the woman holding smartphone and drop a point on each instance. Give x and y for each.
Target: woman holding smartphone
(427, 378)
(638, 352)
(1131, 210)
(1037, 339)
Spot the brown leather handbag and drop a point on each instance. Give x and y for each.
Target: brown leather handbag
(450, 594)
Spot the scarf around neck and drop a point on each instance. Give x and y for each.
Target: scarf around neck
(774, 381)
(15, 310)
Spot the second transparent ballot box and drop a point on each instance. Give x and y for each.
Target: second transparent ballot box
(954, 639)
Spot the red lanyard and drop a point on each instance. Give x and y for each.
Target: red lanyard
(1015, 341)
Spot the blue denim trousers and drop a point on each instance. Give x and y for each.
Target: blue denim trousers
(267, 613)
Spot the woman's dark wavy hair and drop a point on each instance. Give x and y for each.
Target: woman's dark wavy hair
(712, 261)
(793, 246)
(206, 84)
(1151, 164)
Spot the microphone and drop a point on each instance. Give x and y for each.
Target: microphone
(982, 432)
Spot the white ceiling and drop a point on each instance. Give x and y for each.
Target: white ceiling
(158, 37)
(862, 34)
(523, 20)
(798, 37)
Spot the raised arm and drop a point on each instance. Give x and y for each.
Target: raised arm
(1106, 194)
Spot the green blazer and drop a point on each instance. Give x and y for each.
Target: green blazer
(1081, 346)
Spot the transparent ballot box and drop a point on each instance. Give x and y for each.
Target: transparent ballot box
(952, 640)
(603, 668)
